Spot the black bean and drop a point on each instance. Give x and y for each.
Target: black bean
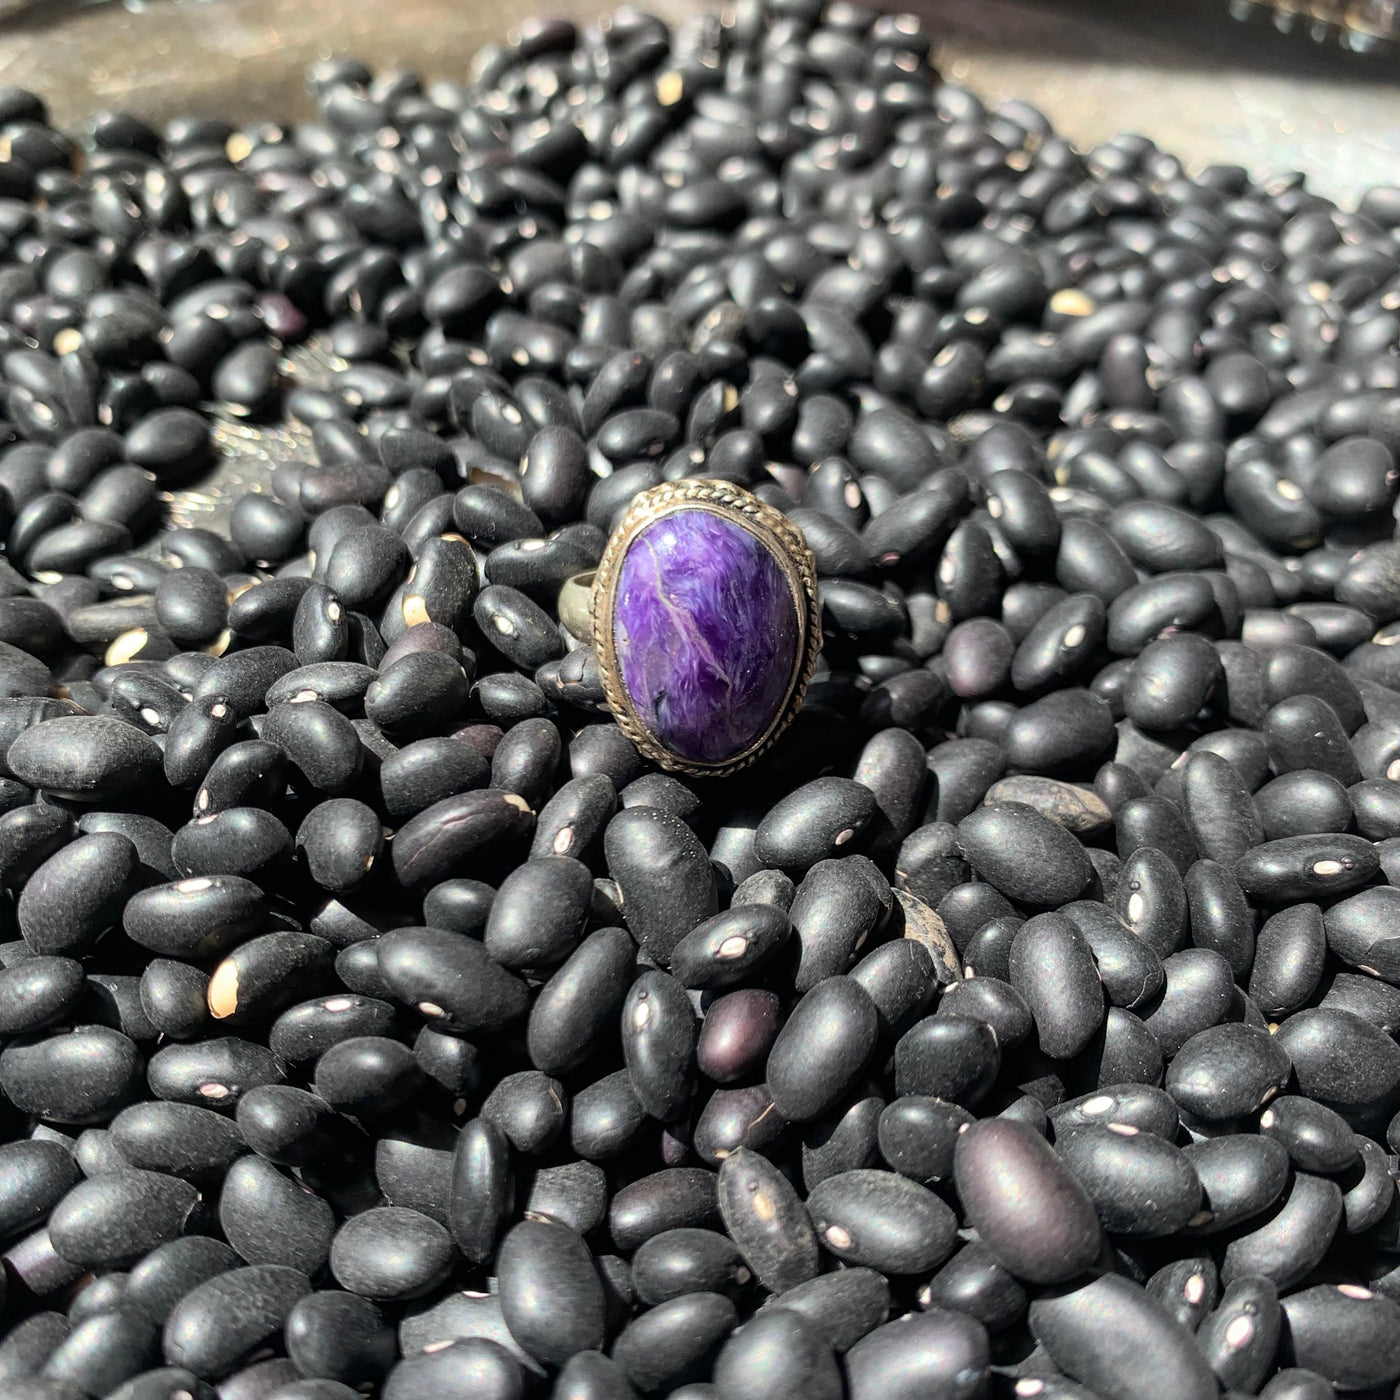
(82, 1075)
(1140, 1184)
(813, 822)
(37, 992)
(1344, 1332)
(239, 841)
(674, 1342)
(339, 1337)
(948, 1057)
(84, 758)
(550, 1292)
(390, 1253)
(881, 1220)
(219, 1322)
(1340, 1059)
(737, 1034)
(1288, 1245)
(918, 1354)
(822, 1049)
(195, 918)
(116, 1217)
(682, 1261)
(527, 756)
(538, 914)
(104, 1350)
(213, 1072)
(428, 847)
(1151, 899)
(29, 835)
(722, 950)
(1306, 867)
(658, 1043)
(529, 1108)
(1052, 966)
(1288, 959)
(1151, 1355)
(469, 1366)
(38, 1175)
(1024, 854)
(270, 1218)
(1131, 972)
(178, 1139)
(664, 874)
(1029, 1211)
(767, 1221)
(472, 991)
(241, 678)
(1174, 601)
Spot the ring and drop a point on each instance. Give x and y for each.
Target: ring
(706, 624)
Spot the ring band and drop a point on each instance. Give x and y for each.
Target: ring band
(706, 624)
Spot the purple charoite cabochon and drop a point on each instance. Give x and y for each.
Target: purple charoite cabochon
(706, 632)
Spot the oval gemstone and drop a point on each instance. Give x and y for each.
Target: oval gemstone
(706, 631)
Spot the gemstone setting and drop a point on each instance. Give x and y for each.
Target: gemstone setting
(705, 624)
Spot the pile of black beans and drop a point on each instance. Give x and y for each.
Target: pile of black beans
(374, 1019)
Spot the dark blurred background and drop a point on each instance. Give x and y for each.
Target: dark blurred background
(1183, 71)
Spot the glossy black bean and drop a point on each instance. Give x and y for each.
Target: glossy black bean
(37, 992)
(948, 1057)
(674, 1198)
(1059, 733)
(105, 1350)
(241, 678)
(1340, 1059)
(581, 1000)
(833, 912)
(529, 1108)
(212, 1072)
(1175, 601)
(881, 1220)
(469, 1366)
(813, 823)
(116, 1217)
(722, 950)
(1029, 1211)
(270, 1218)
(682, 1261)
(1240, 1177)
(537, 917)
(551, 1296)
